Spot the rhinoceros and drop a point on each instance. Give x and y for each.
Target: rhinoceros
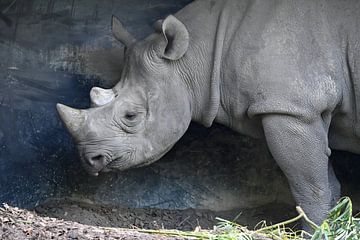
(286, 71)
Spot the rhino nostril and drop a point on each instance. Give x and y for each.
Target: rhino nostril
(96, 160)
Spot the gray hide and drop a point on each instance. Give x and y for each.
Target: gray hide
(281, 70)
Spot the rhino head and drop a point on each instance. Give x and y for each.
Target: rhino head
(136, 122)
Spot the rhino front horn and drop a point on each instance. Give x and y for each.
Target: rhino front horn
(73, 118)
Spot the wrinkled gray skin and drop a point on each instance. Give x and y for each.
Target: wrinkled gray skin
(281, 70)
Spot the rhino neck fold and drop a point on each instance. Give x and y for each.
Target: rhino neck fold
(211, 110)
(204, 84)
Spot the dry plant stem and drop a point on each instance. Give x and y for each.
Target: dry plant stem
(311, 223)
(259, 231)
(172, 233)
(301, 215)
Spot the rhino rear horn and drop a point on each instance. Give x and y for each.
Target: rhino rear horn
(73, 119)
(100, 96)
(120, 33)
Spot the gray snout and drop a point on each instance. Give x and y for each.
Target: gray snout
(95, 163)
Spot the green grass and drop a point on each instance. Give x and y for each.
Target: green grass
(340, 225)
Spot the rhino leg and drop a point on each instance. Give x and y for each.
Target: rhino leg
(301, 150)
(334, 185)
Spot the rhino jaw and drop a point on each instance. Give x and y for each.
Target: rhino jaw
(73, 118)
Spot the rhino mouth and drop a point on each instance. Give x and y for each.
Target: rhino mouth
(124, 161)
(112, 164)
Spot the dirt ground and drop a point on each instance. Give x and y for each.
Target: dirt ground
(69, 219)
(189, 219)
(16, 224)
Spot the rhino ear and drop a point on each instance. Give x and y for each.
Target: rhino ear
(73, 119)
(120, 33)
(100, 96)
(176, 37)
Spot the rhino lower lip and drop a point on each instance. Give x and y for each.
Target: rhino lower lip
(94, 174)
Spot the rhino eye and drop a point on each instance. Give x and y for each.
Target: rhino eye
(130, 116)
